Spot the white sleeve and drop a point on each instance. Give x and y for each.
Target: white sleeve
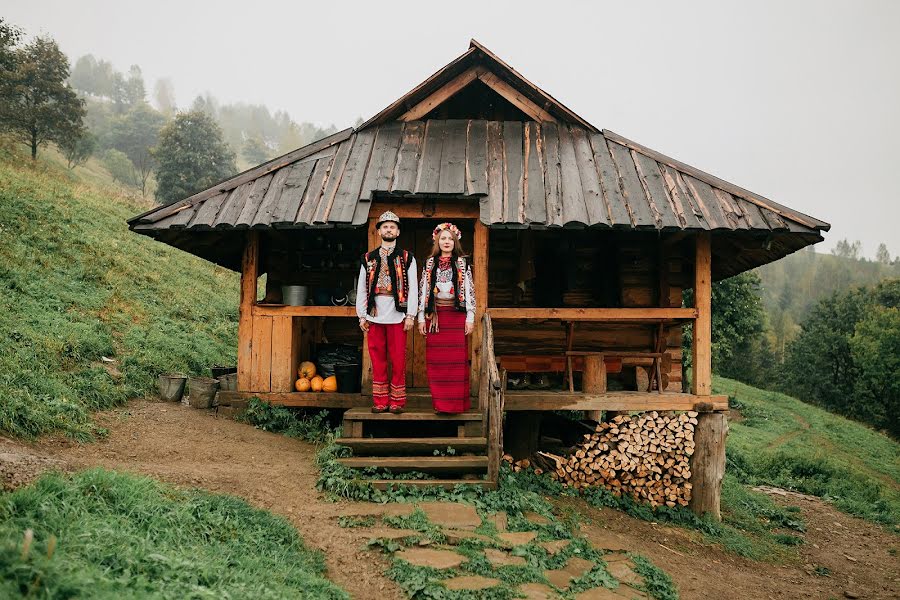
(470, 295)
(423, 293)
(412, 303)
(361, 307)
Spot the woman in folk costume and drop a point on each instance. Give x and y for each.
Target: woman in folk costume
(446, 317)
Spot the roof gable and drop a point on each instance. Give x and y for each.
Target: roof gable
(477, 65)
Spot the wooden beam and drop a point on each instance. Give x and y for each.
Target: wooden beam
(596, 314)
(708, 464)
(403, 101)
(516, 98)
(481, 238)
(300, 399)
(516, 400)
(279, 310)
(426, 209)
(442, 94)
(249, 270)
(701, 349)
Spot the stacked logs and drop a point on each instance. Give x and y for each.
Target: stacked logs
(646, 456)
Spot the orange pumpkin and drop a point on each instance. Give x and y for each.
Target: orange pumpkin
(329, 384)
(302, 384)
(316, 383)
(307, 369)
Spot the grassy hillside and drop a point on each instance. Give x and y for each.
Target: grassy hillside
(779, 440)
(101, 534)
(78, 286)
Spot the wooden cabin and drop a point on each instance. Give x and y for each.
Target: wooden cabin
(581, 241)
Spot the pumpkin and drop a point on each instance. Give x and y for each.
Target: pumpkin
(307, 369)
(302, 384)
(316, 383)
(329, 384)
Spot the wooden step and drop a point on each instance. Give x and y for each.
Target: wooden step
(404, 445)
(413, 414)
(447, 484)
(425, 464)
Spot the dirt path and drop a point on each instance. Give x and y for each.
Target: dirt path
(856, 554)
(193, 448)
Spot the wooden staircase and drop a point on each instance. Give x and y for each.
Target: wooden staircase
(456, 449)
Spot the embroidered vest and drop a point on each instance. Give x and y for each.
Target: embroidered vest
(458, 268)
(398, 266)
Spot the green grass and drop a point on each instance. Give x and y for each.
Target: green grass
(784, 442)
(102, 534)
(76, 285)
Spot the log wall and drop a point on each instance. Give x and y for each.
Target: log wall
(586, 269)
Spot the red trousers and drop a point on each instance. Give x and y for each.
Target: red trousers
(387, 345)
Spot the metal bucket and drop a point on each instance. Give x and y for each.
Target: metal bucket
(294, 295)
(228, 382)
(171, 387)
(202, 392)
(218, 371)
(348, 377)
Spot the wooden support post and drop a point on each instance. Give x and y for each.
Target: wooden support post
(374, 242)
(480, 280)
(701, 380)
(594, 380)
(708, 463)
(522, 433)
(249, 273)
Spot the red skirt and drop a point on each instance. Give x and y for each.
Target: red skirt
(447, 361)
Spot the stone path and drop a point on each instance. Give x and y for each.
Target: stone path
(459, 549)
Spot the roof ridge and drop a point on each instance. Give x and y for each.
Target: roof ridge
(761, 201)
(495, 65)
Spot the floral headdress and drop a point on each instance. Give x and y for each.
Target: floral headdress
(449, 227)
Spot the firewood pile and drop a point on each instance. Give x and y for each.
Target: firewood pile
(646, 456)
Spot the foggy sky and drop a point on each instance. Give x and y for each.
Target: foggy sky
(797, 101)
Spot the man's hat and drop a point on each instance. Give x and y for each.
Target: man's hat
(387, 216)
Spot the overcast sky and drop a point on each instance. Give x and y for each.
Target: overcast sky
(797, 101)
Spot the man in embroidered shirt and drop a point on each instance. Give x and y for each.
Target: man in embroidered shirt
(386, 304)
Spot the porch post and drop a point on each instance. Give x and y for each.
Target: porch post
(480, 279)
(701, 380)
(249, 274)
(708, 461)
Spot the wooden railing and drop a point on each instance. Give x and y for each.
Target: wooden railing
(490, 399)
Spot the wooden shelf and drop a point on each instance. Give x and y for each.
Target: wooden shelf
(284, 310)
(622, 315)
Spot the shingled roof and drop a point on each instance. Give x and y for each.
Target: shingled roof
(555, 170)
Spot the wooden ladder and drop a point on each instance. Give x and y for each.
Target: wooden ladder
(457, 449)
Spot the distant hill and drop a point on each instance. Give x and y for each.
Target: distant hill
(794, 284)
